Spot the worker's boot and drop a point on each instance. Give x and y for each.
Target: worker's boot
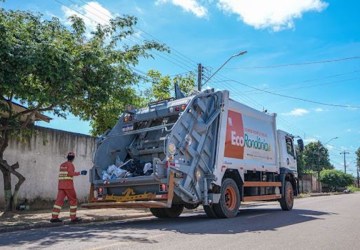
(54, 220)
(77, 219)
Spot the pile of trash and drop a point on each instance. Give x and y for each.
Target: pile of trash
(130, 168)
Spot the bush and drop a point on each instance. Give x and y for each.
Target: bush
(336, 179)
(353, 189)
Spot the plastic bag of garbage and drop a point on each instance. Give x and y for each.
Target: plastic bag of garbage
(148, 168)
(118, 161)
(119, 173)
(105, 176)
(111, 169)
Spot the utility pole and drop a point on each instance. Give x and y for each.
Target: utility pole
(344, 153)
(200, 73)
(231, 57)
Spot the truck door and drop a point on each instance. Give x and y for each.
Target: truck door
(288, 155)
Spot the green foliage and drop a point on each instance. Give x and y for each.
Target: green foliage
(316, 157)
(336, 179)
(161, 89)
(353, 189)
(300, 163)
(186, 83)
(46, 66)
(163, 86)
(312, 172)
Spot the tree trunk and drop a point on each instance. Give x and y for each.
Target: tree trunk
(7, 170)
(21, 179)
(10, 197)
(7, 189)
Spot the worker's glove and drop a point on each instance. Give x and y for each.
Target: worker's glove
(83, 172)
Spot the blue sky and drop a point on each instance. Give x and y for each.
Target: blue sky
(303, 59)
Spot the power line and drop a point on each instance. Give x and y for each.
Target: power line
(153, 37)
(173, 60)
(316, 85)
(176, 60)
(180, 55)
(254, 103)
(300, 64)
(296, 98)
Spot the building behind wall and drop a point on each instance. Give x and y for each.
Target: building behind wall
(39, 160)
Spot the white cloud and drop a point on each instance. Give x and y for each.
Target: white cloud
(308, 140)
(274, 14)
(188, 5)
(92, 13)
(297, 112)
(319, 110)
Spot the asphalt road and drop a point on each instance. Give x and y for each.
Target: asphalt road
(327, 222)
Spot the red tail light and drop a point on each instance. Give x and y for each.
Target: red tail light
(163, 187)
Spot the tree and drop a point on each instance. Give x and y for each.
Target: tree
(316, 157)
(161, 89)
(47, 66)
(163, 86)
(300, 163)
(336, 179)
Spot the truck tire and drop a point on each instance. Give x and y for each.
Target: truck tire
(209, 210)
(172, 212)
(287, 199)
(190, 206)
(158, 212)
(229, 203)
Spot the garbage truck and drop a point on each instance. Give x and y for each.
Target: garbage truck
(202, 150)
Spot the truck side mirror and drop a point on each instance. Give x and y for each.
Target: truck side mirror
(300, 143)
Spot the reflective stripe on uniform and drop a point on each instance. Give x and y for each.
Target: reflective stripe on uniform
(65, 178)
(72, 213)
(57, 207)
(55, 213)
(73, 207)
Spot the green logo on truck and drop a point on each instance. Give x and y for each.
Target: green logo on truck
(257, 143)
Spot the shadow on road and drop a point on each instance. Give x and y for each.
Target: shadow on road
(248, 220)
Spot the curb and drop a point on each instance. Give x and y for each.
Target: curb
(8, 229)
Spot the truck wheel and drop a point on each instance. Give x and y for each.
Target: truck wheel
(191, 206)
(158, 212)
(209, 210)
(174, 211)
(229, 203)
(287, 199)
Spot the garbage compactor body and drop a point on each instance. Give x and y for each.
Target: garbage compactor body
(205, 149)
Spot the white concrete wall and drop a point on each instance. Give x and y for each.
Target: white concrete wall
(40, 159)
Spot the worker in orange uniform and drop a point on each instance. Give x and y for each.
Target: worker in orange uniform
(66, 189)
